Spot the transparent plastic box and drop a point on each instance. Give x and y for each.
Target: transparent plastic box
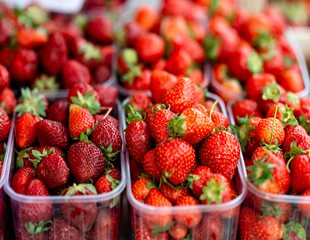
(291, 207)
(106, 207)
(219, 222)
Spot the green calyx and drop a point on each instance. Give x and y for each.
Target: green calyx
(264, 40)
(176, 127)
(242, 130)
(45, 82)
(294, 152)
(90, 52)
(38, 228)
(305, 123)
(271, 209)
(114, 182)
(108, 153)
(255, 63)
(191, 179)
(31, 101)
(40, 155)
(130, 56)
(288, 116)
(81, 21)
(271, 147)
(80, 188)
(132, 115)
(2, 155)
(212, 46)
(260, 172)
(32, 16)
(87, 101)
(294, 229)
(288, 61)
(160, 229)
(271, 92)
(212, 192)
(134, 72)
(214, 5)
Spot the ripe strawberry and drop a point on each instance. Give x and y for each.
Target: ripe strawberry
(80, 121)
(81, 88)
(52, 133)
(172, 193)
(291, 80)
(99, 29)
(31, 212)
(268, 171)
(246, 107)
(4, 78)
(298, 135)
(277, 20)
(7, 100)
(256, 83)
(142, 232)
(81, 215)
(273, 61)
(178, 62)
(24, 66)
(5, 125)
(137, 79)
(7, 56)
(7, 31)
(175, 159)
(21, 179)
(270, 130)
(140, 102)
(141, 188)
(59, 111)
(181, 96)
(61, 229)
(147, 54)
(147, 17)
(107, 95)
(221, 153)
(108, 181)
(209, 228)
(149, 165)
(101, 74)
(192, 218)
(192, 125)
(31, 38)
(86, 162)
(88, 54)
(197, 179)
(133, 31)
(178, 231)
(74, 72)
(219, 120)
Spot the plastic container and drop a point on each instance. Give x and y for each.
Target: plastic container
(218, 222)
(292, 208)
(106, 208)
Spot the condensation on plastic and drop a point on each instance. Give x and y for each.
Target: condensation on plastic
(110, 202)
(140, 211)
(289, 35)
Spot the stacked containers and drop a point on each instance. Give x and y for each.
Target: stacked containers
(106, 207)
(219, 219)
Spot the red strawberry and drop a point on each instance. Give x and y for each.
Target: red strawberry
(141, 188)
(209, 228)
(21, 179)
(81, 215)
(147, 17)
(101, 74)
(81, 88)
(172, 193)
(139, 80)
(7, 31)
(59, 111)
(108, 181)
(142, 232)
(192, 218)
(291, 80)
(4, 78)
(61, 229)
(270, 130)
(298, 135)
(88, 54)
(181, 96)
(107, 95)
(221, 153)
(219, 120)
(175, 159)
(52, 133)
(5, 124)
(273, 61)
(256, 83)
(99, 29)
(198, 178)
(7, 100)
(178, 62)
(133, 31)
(192, 125)
(24, 66)
(140, 102)
(149, 165)
(74, 72)
(178, 231)
(277, 20)
(7, 56)
(31, 38)
(107, 53)
(245, 108)
(85, 161)
(147, 54)
(80, 121)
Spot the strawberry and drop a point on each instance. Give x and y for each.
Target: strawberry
(21, 179)
(146, 54)
(7, 31)
(107, 95)
(52, 133)
(81, 215)
(256, 83)
(81, 121)
(74, 72)
(99, 29)
(149, 165)
(135, 170)
(139, 80)
(86, 161)
(175, 159)
(173, 193)
(7, 56)
(270, 131)
(142, 232)
(178, 62)
(246, 107)
(192, 218)
(5, 125)
(298, 135)
(133, 31)
(268, 171)
(101, 74)
(147, 17)
(141, 188)
(108, 181)
(24, 66)
(192, 125)
(178, 231)
(31, 38)
(31, 212)
(273, 61)
(138, 138)
(7, 100)
(209, 228)
(277, 20)
(198, 178)
(219, 120)
(181, 96)
(59, 111)
(82, 89)
(88, 54)
(61, 229)
(291, 80)
(4, 78)
(221, 153)
(140, 102)
(44, 82)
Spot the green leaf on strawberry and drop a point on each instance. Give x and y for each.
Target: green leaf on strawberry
(88, 101)
(212, 192)
(90, 52)
(288, 116)
(212, 46)
(80, 188)
(264, 40)
(260, 172)
(255, 64)
(294, 152)
(271, 92)
(160, 229)
(305, 123)
(38, 228)
(293, 229)
(45, 82)
(176, 127)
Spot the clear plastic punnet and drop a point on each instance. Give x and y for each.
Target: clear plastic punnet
(218, 221)
(102, 211)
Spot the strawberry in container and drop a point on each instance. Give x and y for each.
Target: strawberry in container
(68, 176)
(182, 165)
(273, 128)
(176, 48)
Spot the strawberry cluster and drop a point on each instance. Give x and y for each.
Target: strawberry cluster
(69, 147)
(181, 154)
(241, 45)
(161, 40)
(52, 51)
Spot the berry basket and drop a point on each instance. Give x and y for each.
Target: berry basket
(96, 216)
(287, 214)
(218, 221)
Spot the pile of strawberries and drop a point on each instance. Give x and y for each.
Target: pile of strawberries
(240, 45)
(185, 156)
(51, 51)
(70, 147)
(161, 40)
(273, 127)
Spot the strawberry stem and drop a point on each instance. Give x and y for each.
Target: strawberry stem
(212, 108)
